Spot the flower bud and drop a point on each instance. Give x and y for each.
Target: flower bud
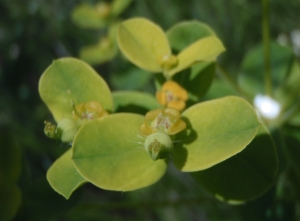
(50, 130)
(158, 145)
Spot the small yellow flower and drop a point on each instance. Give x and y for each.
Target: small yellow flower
(166, 120)
(88, 111)
(172, 95)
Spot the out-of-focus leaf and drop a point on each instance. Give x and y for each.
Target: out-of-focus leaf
(131, 79)
(185, 33)
(10, 199)
(108, 153)
(219, 89)
(289, 91)
(134, 102)
(118, 6)
(86, 16)
(70, 80)
(63, 176)
(216, 130)
(245, 175)
(251, 77)
(99, 53)
(10, 157)
(10, 170)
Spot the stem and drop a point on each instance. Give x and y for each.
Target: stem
(287, 115)
(227, 78)
(266, 42)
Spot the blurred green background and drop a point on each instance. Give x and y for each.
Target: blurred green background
(35, 32)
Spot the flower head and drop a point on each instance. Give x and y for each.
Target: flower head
(88, 111)
(166, 120)
(172, 95)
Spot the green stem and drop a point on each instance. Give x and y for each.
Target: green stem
(266, 43)
(227, 78)
(287, 115)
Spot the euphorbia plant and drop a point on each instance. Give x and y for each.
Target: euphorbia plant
(128, 151)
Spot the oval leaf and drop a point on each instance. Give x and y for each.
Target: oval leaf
(185, 33)
(109, 154)
(96, 54)
(118, 6)
(70, 80)
(133, 101)
(205, 49)
(86, 16)
(245, 175)
(143, 43)
(10, 156)
(216, 130)
(63, 176)
(10, 199)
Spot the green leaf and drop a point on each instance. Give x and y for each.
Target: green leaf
(143, 43)
(10, 157)
(185, 33)
(63, 176)
(123, 79)
(216, 130)
(86, 16)
(289, 91)
(198, 80)
(219, 89)
(10, 199)
(118, 6)
(106, 48)
(98, 53)
(134, 102)
(109, 154)
(205, 49)
(10, 170)
(251, 77)
(67, 80)
(245, 175)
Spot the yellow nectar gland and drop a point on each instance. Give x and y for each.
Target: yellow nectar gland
(158, 145)
(88, 111)
(172, 95)
(166, 121)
